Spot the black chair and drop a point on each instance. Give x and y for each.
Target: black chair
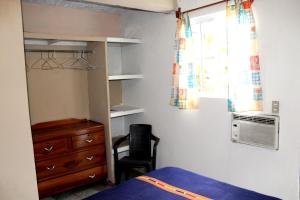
(140, 137)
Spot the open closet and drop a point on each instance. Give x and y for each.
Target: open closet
(83, 77)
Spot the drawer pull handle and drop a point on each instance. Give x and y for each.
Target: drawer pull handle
(89, 140)
(48, 148)
(92, 176)
(90, 158)
(50, 168)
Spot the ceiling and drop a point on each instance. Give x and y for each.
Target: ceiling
(76, 4)
(112, 5)
(149, 5)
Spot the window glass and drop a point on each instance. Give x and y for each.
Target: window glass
(210, 53)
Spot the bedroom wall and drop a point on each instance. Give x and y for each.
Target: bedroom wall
(57, 94)
(199, 140)
(17, 171)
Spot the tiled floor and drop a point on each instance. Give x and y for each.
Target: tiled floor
(80, 193)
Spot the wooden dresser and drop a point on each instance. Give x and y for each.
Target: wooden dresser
(68, 153)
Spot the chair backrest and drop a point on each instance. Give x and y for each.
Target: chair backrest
(140, 141)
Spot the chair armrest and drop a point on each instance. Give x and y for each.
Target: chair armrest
(156, 141)
(116, 145)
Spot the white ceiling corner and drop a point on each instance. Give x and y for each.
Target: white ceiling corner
(77, 4)
(147, 5)
(114, 6)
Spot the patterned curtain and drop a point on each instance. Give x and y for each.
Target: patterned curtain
(245, 90)
(185, 88)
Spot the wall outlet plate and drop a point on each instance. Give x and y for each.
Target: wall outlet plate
(275, 107)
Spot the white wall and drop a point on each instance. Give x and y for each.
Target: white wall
(199, 140)
(191, 4)
(17, 171)
(57, 94)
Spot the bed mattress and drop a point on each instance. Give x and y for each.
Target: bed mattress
(180, 181)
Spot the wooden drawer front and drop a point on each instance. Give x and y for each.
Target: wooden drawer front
(51, 147)
(71, 163)
(87, 140)
(67, 182)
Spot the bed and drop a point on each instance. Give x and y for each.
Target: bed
(172, 183)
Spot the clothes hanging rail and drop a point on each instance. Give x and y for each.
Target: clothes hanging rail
(49, 62)
(58, 51)
(201, 7)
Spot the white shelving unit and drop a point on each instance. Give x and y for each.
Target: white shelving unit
(125, 77)
(97, 96)
(123, 64)
(55, 42)
(123, 40)
(123, 110)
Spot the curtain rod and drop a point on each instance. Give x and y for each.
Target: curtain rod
(201, 7)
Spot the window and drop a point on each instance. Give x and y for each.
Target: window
(210, 53)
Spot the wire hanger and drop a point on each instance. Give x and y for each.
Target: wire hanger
(54, 60)
(48, 64)
(86, 61)
(40, 63)
(74, 62)
(77, 61)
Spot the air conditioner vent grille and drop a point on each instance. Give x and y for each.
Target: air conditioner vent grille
(255, 119)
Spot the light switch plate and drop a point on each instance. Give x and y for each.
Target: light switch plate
(275, 107)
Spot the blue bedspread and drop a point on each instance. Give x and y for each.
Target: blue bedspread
(138, 190)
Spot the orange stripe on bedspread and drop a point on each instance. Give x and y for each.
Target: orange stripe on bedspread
(169, 188)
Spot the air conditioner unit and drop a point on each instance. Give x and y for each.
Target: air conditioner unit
(255, 129)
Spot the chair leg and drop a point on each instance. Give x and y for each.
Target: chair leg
(154, 164)
(117, 175)
(127, 174)
(148, 168)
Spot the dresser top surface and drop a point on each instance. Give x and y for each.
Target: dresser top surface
(65, 127)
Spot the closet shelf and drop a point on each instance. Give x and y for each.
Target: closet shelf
(125, 77)
(62, 37)
(124, 146)
(65, 40)
(123, 40)
(123, 110)
(54, 42)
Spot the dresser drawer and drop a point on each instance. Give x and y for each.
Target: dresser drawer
(63, 183)
(87, 140)
(70, 163)
(49, 148)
